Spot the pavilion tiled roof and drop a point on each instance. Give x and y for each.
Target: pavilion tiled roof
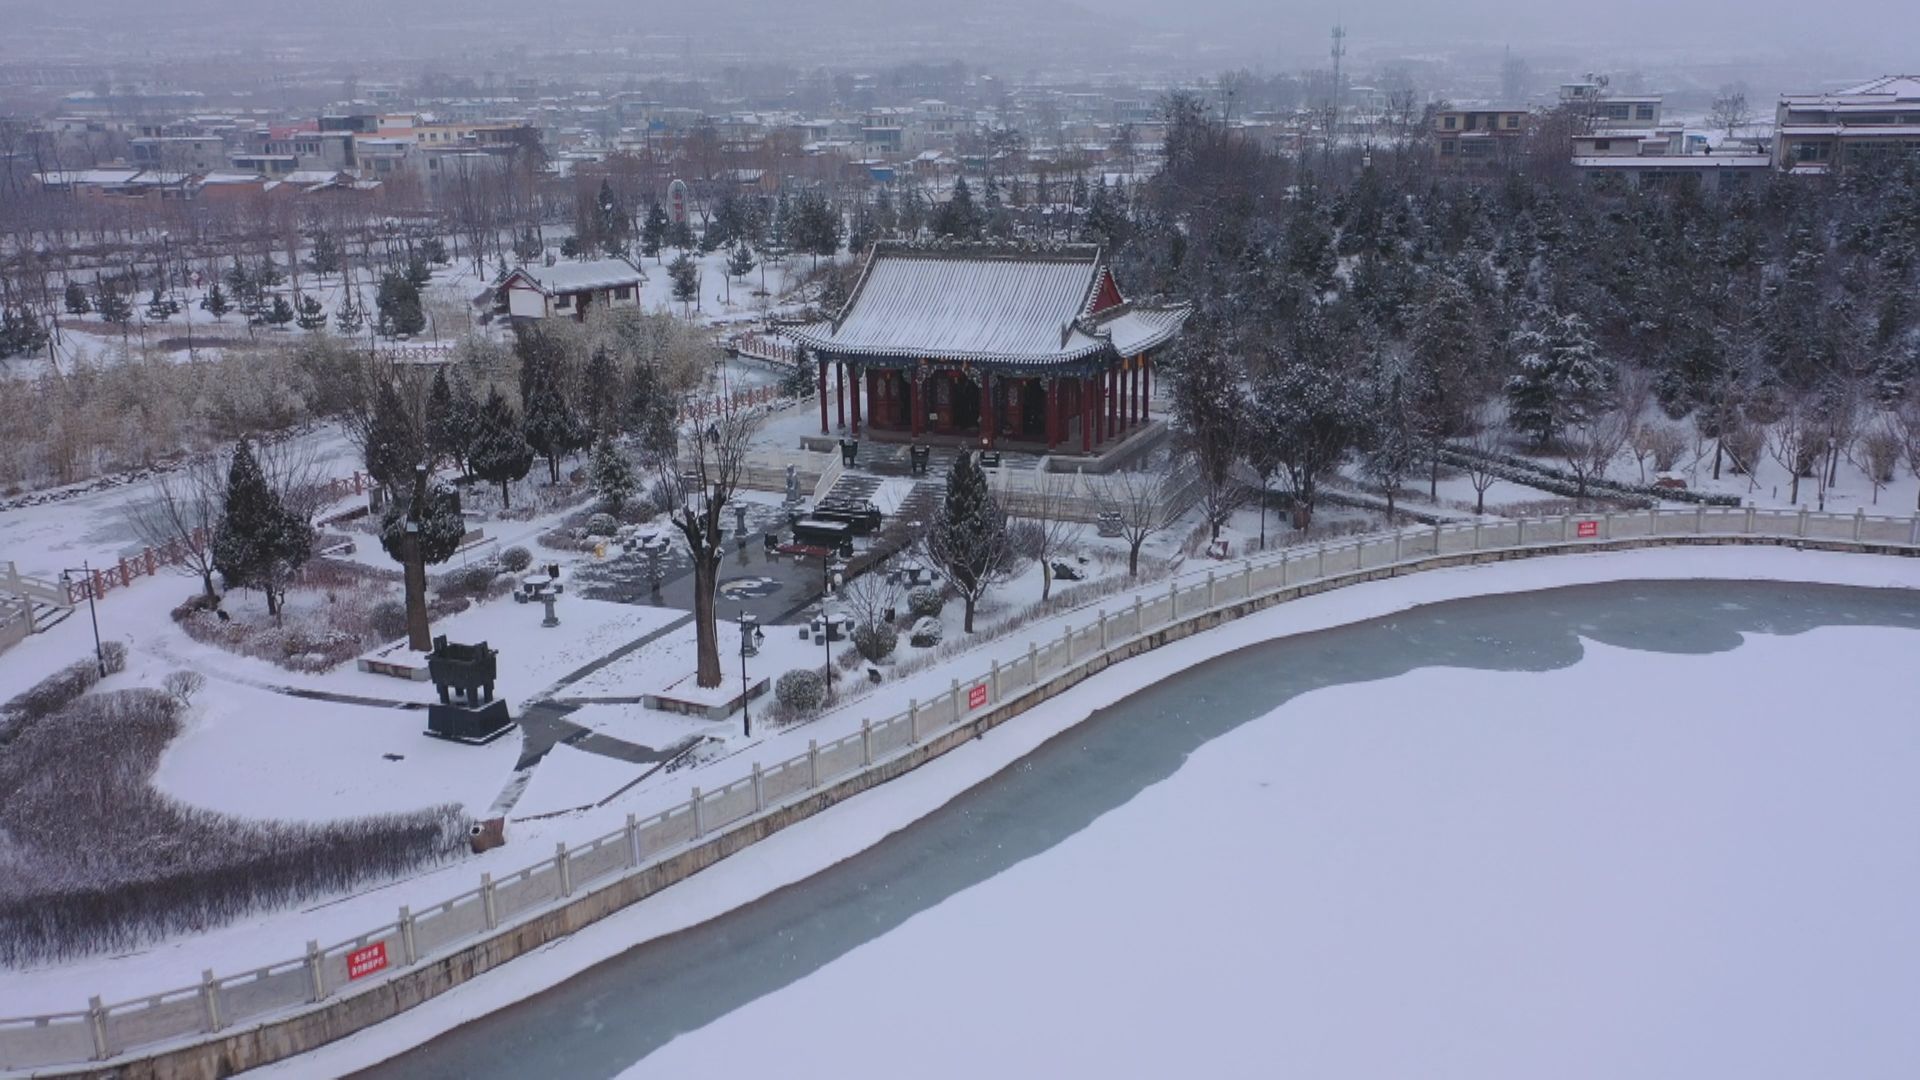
(987, 303)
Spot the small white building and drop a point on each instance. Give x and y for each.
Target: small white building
(571, 289)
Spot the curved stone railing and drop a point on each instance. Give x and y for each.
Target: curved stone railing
(227, 1023)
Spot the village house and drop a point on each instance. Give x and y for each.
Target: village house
(1815, 133)
(569, 289)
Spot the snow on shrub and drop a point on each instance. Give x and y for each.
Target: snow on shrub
(801, 690)
(389, 619)
(926, 600)
(926, 633)
(875, 640)
(602, 525)
(63, 687)
(99, 861)
(515, 559)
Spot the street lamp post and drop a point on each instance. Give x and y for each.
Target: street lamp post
(86, 575)
(750, 636)
(834, 571)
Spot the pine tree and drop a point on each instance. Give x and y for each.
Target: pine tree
(398, 303)
(550, 425)
(453, 418)
(324, 258)
(612, 476)
(442, 525)
(968, 537)
(601, 389)
(312, 315)
(740, 263)
(418, 273)
(113, 307)
(393, 445)
(20, 333)
(215, 303)
(76, 299)
(269, 275)
(651, 412)
(686, 278)
(1558, 378)
(653, 233)
(258, 543)
(956, 217)
(349, 317)
(281, 313)
(500, 454)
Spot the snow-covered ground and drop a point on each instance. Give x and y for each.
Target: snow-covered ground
(1433, 876)
(853, 826)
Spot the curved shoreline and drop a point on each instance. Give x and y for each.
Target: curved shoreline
(438, 994)
(816, 845)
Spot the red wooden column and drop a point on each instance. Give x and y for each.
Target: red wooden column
(859, 377)
(823, 395)
(1134, 381)
(1053, 412)
(1113, 400)
(988, 426)
(1146, 387)
(1086, 414)
(916, 408)
(840, 393)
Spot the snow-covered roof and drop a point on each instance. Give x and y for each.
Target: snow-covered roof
(1880, 91)
(1675, 161)
(566, 277)
(991, 304)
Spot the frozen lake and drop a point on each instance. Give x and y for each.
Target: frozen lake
(1649, 829)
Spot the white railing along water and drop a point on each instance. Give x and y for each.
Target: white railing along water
(217, 1003)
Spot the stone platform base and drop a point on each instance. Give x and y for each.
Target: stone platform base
(688, 699)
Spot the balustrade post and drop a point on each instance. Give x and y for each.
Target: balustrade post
(210, 998)
(1520, 536)
(1747, 526)
(487, 903)
(633, 833)
(1213, 597)
(1246, 580)
(1033, 658)
(316, 977)
(1139, 619)
(1067, 634)
(1859, 521)
(564, 865)
(1396, 545)
(97, 1026)
(1476, 534)
(1564, 519)
(1800, 527)
(953, 692)
(813, 764)
(1320, 567)
(913, 722)
(409, 951)
(1436, 539)
(1606, 525)
(700, 818)
(993, 681)
(866, 747)
(1103, 628)
(1286, 557)
(1699, 519)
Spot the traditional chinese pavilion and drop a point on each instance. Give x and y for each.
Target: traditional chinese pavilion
(994, 343)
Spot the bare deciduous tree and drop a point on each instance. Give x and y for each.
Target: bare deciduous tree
(1588, 445)
(697, 484)
(1052, 533)
(1485, 442)
(1144, 501)
(180, 516)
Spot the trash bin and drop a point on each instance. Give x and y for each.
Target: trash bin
(920, 456)
(849, 449)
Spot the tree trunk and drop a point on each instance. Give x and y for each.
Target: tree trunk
(1046, 578)
(1479, 501)
(1716, 458)
(506, 503)
(1133, 560)
(1433, 480)
(705, 624)
(968, 627)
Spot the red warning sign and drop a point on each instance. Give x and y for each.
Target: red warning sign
(977, 696)
(1587, 530)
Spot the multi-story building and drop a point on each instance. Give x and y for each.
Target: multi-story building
(1814, 133)
(1485, 135)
